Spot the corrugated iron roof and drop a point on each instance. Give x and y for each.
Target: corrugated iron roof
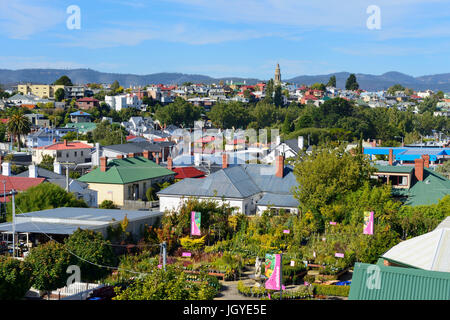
(378, 282)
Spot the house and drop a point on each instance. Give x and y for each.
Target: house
(59, 223)
(42, 137)
(80, 117)
(65, 151)
(415, 185)
(158, 151)
(290, 148)
(414, 269)
(123, 179)
(120, 102)
(58, 177)
(184, 172)
(14, 182)
(40, 90)
(82, 127)
(87, 103)
(250, 188)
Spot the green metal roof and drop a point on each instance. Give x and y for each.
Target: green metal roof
(394, 169)
(83, 126)
(429, 191)
(122, 171)
(397, 283)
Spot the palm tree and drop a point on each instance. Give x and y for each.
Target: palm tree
(18, 125)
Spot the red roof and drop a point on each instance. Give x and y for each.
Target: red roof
(159, 139)
(188, 172)
(131, 137)
(310, 97)
(18, 183)
(206, 139)
(69, 145)
(87, 99)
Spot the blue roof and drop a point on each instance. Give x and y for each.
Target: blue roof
(80, 113)
(278, 200)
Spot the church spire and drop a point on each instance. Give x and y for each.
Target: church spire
(277, 75)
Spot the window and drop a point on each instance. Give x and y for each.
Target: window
(75, 153)
(58, 154)
(67, 154)
(81, 153)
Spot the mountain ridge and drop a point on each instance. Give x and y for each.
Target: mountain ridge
(367, 82)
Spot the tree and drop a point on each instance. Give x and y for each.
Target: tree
(64, 81)
(59, 94)
(328, 174)
(45, 196)
(332, 82)
(228, 115)
(269, 92)
(351, 83)
(107, 204)
(396, 87)
(318, 86)
(15, 278)
(18, 125)
(49, 263)
(47, 162)
(107, 134)
(171, 284)
(115, 85)
(278, 97)
(91, 250)
(179, 113)
(444, 169)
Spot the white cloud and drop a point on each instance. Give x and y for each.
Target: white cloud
(15, 62)
(20, 20)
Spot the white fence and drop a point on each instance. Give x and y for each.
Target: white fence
(76, 291)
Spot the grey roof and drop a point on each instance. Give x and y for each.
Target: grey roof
(278, 200)
(52, 177)
(66, 220)
(134, 147)
(240, 181)
(293, 144)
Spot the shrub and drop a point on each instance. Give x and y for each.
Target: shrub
(107, 204)
(15, 278)
(326, 290)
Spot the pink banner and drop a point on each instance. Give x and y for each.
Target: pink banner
(339, 255)
(333, 223)
(368, 222)
(186, 254)
(195, 223)
(273, 283)
(286, 231)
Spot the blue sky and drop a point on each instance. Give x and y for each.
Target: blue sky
(221, 38)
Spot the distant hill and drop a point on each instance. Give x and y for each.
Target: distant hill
(81, 76)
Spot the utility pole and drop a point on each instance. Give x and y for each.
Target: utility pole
(164, 255)
(13, 223)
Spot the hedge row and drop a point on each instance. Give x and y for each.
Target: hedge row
(331, 290)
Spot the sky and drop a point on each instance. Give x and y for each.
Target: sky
(223, 38)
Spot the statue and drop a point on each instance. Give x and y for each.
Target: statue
(258, 267)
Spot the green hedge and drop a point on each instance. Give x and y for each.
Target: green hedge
(330, 290)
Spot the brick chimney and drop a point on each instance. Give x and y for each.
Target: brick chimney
(103, 164)
(131, 155)
(224, 160)
(54, 140)
(418, 170)
(426, 159)
(146, 154)
(391, 157)
(169, 163)
(65, 142)
(279, 162)
(119, 156)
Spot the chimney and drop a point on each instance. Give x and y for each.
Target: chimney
(426, 159)
(131, 155)
(119, 156)
(54, 140)
(6, 169)
(279, 162)
(169, 163)
(146, 154)
(57, 167)
(65, 142)
(103, 164)
(32, 171)
(300, 142)
(391, 157)
(224, 160)
(418, 170)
